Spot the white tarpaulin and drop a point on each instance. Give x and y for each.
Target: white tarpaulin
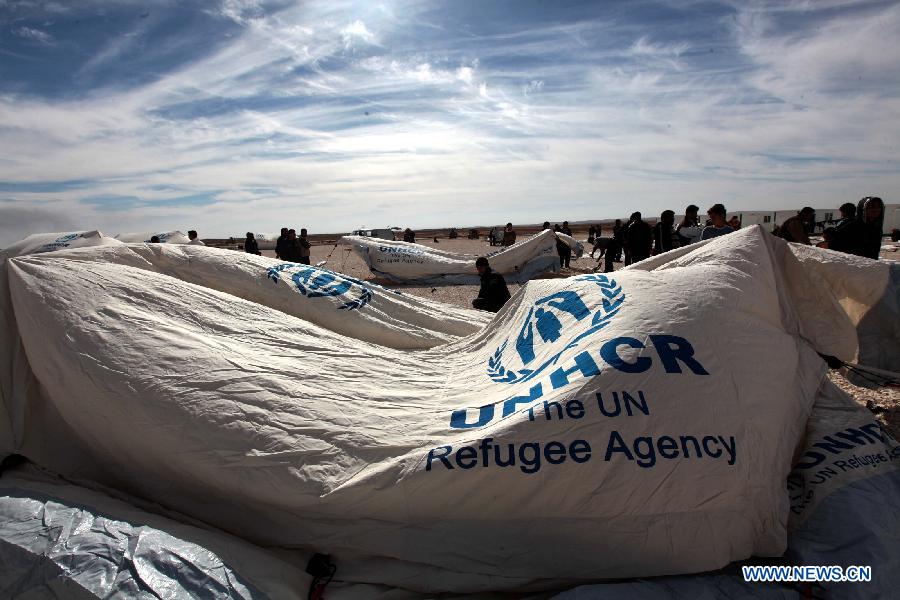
(165, 237)
(339, 303)
(844, 490)
(403, 261)
(631, 424)
(342, 304)
(16, 378)
(51, 242)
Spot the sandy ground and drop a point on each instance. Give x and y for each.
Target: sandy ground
(883, 402)
(343, 260)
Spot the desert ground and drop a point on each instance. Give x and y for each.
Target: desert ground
(343, 260)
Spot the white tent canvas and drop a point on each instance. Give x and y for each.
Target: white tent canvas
(640, 423)
(407, 262)
(165, 237)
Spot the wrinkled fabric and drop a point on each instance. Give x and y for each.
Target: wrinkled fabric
(843, 491)
(165, 237)
(588, 431)
(406, 262)
(90, 545)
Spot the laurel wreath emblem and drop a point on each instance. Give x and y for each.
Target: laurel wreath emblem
(342, 284)
(613, 297)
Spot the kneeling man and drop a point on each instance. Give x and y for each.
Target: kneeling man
(493, 293)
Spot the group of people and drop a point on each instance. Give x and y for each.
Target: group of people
(859, 230)
(288, 247)
(639, 240)
(505, 237)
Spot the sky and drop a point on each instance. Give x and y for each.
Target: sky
(240, 115)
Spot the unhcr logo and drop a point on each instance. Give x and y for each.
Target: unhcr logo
(550, 350)
(314, 282)
(547, 319)
(59, 243)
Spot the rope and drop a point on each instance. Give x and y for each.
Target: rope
(872, 375)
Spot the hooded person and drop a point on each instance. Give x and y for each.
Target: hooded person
(493, 293)
(871, 213)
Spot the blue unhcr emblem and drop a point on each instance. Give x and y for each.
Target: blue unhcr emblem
(314, 282)
(59, 243)
(544, 324)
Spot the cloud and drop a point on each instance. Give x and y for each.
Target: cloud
(17, 222)
(356, 32)
(844, 55)
(533, 86)
(644, 47)
(35, 35)
(339, 107)
(242, 12)
(465, 74)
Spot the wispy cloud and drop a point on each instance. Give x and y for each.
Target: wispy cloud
(355, 33)
(33, 34)
(342, 107)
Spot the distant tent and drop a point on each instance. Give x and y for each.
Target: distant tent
(165, 237)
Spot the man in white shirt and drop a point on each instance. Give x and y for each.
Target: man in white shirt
(195, 241)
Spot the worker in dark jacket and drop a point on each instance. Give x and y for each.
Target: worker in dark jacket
(250, 245)
(291, 248)
(493, 293)
(280, 244)
(871, 213)
(664, 236)
(848, 235)
(638, 238)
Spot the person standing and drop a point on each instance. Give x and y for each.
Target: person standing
(280, 244)
(664, 236)
(849, 234)
(614, 249)
(717, 225)
(509, 235)
(291, 248)
(250, 245)
(493, 293)
(688, 223)
(638, 239)
(871, 213)
(796, 229)
(304, 247)
(195, 241)
(618, 240)
(562, 248)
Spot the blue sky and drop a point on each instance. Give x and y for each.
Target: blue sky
(247, 114)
